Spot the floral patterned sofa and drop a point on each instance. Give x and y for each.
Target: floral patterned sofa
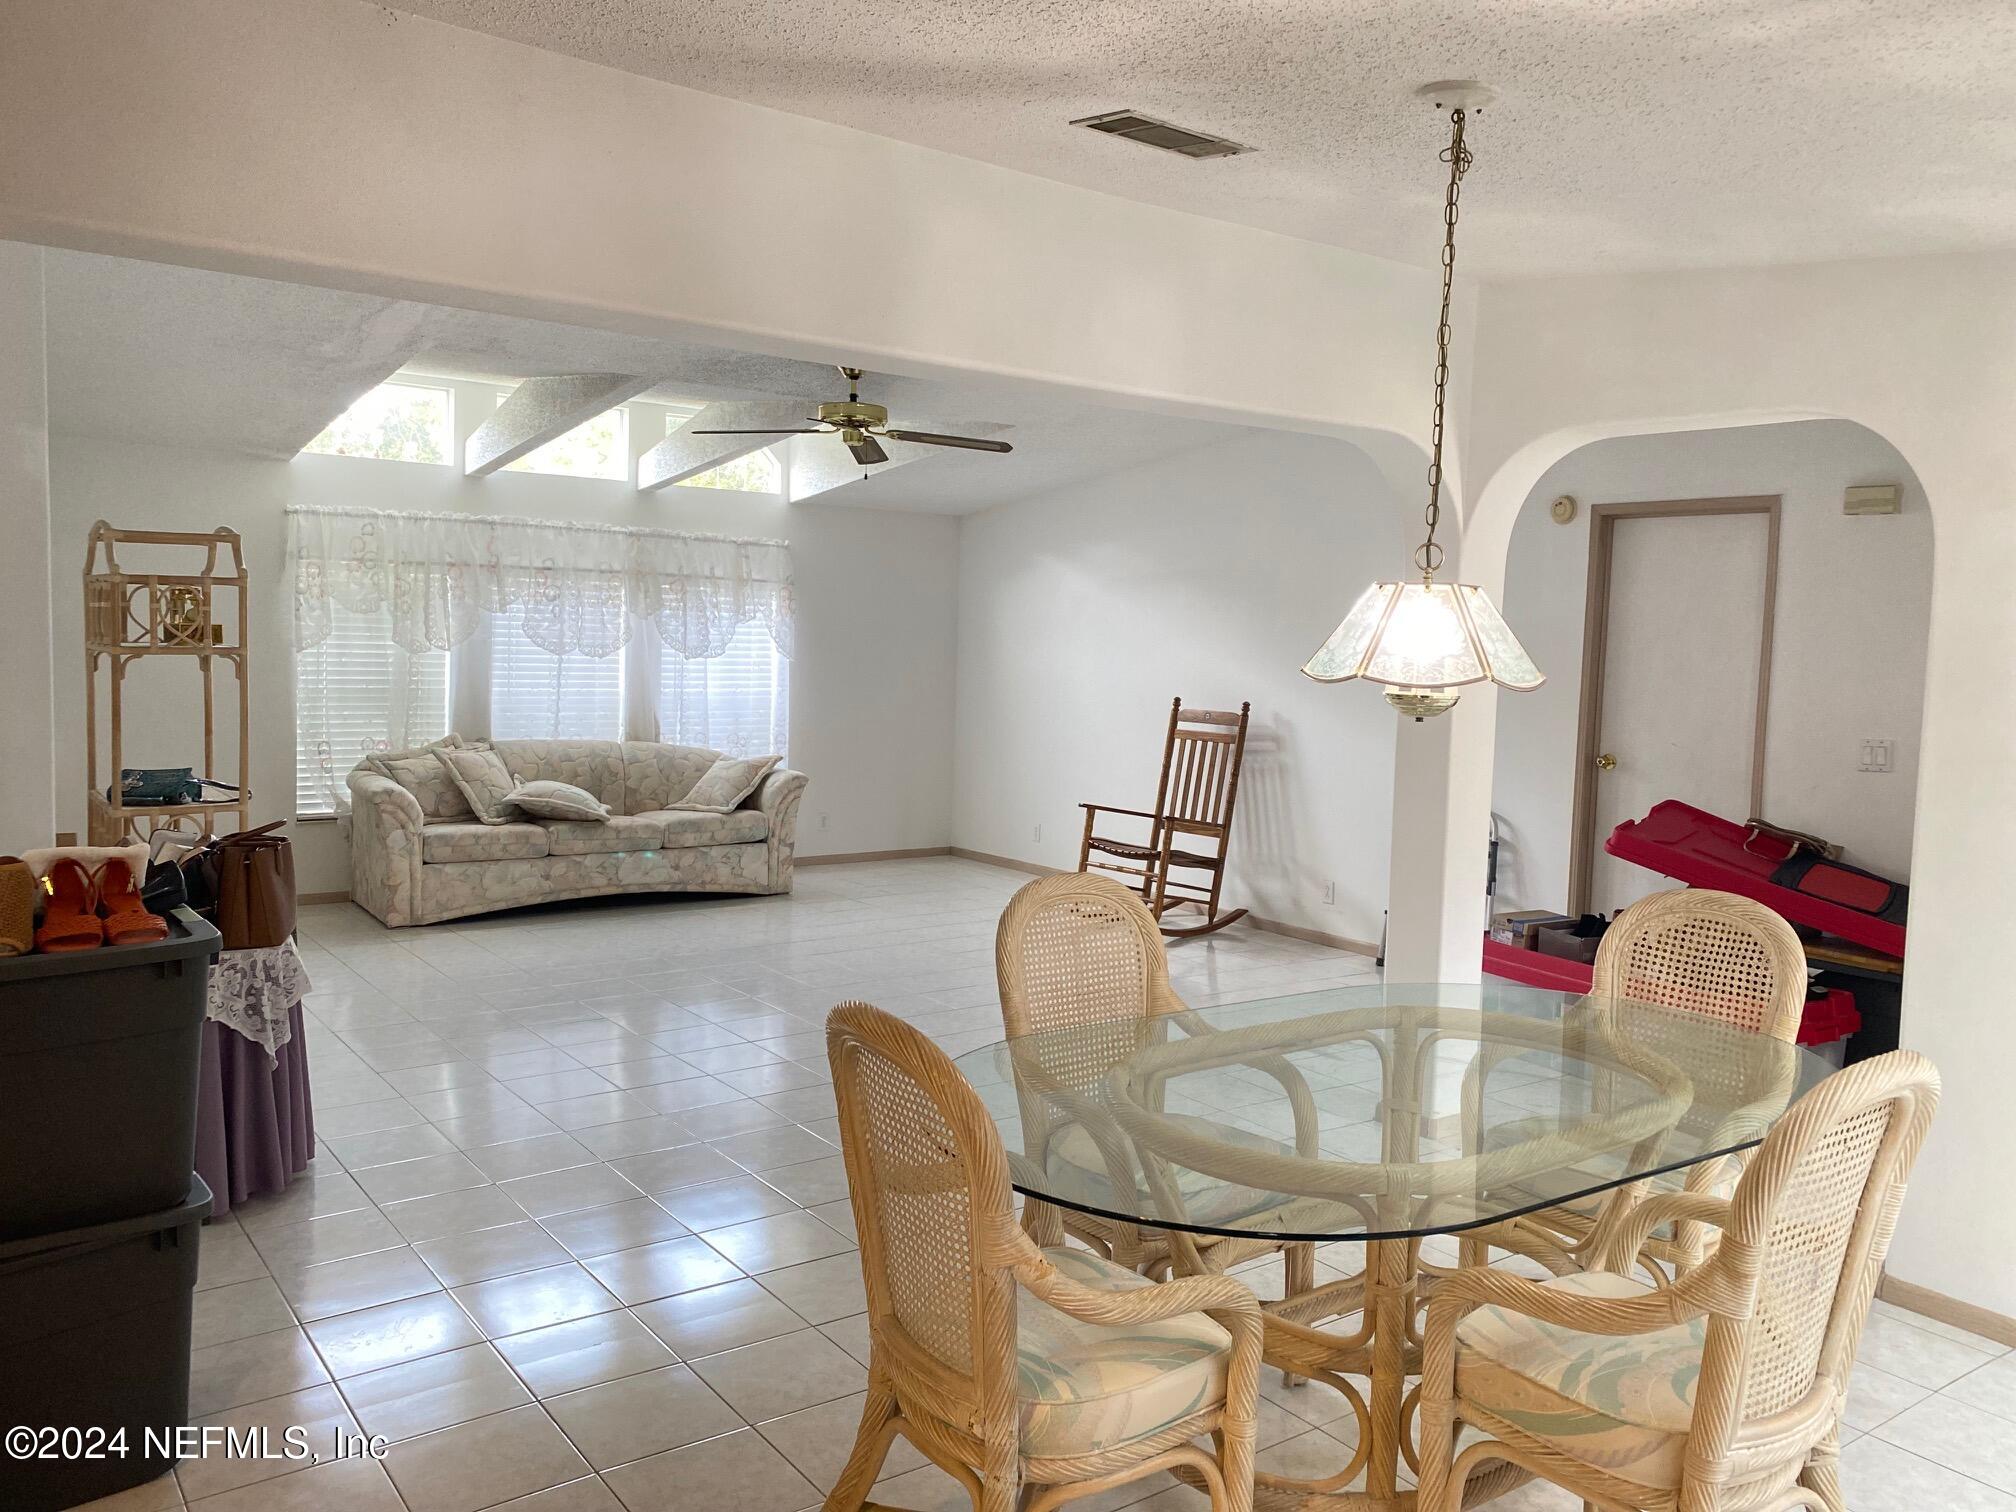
(418, 857)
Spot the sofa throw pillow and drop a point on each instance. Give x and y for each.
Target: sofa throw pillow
(558, 800)
(483, 778)
(724, 785)
(420, 774)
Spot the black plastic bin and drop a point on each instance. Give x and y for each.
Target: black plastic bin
(94, 1344)
(99, 1053)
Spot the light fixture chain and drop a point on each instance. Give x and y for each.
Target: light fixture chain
(1429, 556)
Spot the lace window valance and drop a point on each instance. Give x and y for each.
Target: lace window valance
(567, 587)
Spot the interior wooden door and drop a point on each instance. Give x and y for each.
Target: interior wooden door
(1679, 637)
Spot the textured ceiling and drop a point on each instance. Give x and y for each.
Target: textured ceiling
(184, 357)
(188, 358)
(1629, 133)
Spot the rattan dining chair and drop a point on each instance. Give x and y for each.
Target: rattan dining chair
(1721, 1392)
(1699, 951)
(1033, 1377)
(1075, 949)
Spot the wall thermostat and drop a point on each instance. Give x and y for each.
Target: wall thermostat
(1563, 509)
(1876, 499)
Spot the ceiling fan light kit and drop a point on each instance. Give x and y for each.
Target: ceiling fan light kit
(1425, 640)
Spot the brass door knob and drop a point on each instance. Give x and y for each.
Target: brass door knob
(1606, 762)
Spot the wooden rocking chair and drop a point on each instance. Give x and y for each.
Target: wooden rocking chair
(1193, 807)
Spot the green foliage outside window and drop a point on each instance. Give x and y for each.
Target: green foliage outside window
(395, 422)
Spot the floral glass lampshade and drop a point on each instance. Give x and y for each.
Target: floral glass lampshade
(1424, 640)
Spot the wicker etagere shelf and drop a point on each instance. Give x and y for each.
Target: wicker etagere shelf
(132, 616)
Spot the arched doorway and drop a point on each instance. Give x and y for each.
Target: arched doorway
(1725, 633)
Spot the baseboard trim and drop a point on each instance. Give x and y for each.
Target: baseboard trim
(843, 858)
(1941, 1308)
(1316, 937)
(1271, 926)
(328, 897)
(1007, 862)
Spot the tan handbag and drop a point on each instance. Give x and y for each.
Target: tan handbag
(245, 882)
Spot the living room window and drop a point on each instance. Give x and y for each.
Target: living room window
(535, 695)
(395, 422)
(737, 702)
(356, 693)
(597, 448)
(758, 472)
(477, 601)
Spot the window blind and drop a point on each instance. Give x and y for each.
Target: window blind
(535, 695)
(737, 702)
(357, 692)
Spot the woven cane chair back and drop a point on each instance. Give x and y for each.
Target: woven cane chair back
(1075, 950)
(929, 1187)
(1707, 952)
(1811, 1223)
(1072, 949)
(1698, 952)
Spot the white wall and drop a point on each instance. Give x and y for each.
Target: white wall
(1214, 574)
(1848, 652)
(871, 685)
(27, 754)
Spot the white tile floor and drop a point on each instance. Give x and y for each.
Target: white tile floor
(577, 1239)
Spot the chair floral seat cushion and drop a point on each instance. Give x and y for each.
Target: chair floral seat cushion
(1082, 1388)
(1074, 1161)
(1623, 1403)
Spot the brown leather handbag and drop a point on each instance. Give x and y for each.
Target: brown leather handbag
(245, 883)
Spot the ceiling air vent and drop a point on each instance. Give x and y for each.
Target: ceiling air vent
(1150, 132)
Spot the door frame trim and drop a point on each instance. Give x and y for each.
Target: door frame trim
(1603, 521)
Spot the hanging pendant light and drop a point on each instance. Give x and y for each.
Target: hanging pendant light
(1426, 640)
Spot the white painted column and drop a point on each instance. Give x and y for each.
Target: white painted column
(1442, 775)
(1441, 834)
(27, 671)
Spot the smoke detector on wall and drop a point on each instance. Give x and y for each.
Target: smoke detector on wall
(1149, 132)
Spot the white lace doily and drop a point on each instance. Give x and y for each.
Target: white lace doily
(252, 991)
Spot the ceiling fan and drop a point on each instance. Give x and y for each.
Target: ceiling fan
(857, 424)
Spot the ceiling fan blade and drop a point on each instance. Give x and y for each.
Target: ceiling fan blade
(809, 430)
(868, 452)
(930, 438)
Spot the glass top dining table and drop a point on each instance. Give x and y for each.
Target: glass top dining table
(1380, 1114)
(1377, 1112)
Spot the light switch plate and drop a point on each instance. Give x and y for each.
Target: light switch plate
(1877, 756)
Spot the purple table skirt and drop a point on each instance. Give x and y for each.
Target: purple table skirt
(255, 1124)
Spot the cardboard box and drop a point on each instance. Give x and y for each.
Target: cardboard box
(1520, 926)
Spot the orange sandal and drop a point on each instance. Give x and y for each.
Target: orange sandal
(69, 922)
(127, 921)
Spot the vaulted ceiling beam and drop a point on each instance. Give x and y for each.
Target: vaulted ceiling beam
(541, 410)
(684, 455)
